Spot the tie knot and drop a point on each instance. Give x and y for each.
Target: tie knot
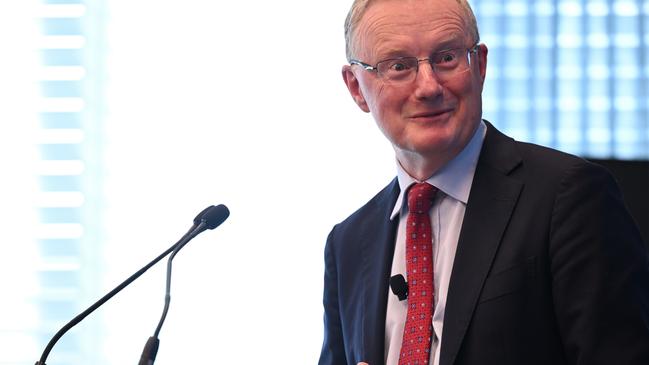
(420, 198)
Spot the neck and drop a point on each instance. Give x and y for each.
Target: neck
(418, 166)
(423, 164)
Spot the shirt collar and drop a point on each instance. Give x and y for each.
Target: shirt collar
(453, 179)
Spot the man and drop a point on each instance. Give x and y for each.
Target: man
(512, 253)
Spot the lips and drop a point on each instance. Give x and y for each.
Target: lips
(430, 114)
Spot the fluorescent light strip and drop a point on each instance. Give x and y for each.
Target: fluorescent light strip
(627, 40)
(516, 9)
(598, 104)
(59, 231)
(598, 72)
(598, 40)
(567, 40)
(569, 72)
(570, 9)
(63, 263)
(61, 11)
(61, 105)
(62, 73)
(60, 136)
(59, 199)
(568, 104)
(543, 8)
(61, 293)
(625, 103)
(62, 42)
(625, 9)
(60, 167)
(597, 9)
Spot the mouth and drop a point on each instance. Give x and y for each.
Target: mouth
(431, 114)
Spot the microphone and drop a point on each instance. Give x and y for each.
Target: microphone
(399, 286)
(210, 218)
(204, 220)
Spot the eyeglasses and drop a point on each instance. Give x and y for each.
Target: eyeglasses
(445, 64)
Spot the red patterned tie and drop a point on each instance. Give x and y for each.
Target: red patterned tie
(418, 331)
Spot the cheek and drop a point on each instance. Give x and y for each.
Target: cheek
(468, 95)
(465, 86)
(388, 104)
(386, 111)
(376, 97)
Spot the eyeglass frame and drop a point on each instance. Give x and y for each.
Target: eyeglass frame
(370, 68)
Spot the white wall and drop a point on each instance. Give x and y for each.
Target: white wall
(240, 103)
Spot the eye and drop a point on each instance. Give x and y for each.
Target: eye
(398, 65)
(445, 58)
(397, 68)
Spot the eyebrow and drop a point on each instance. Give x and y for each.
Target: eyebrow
(448, 43)
(385, 53)
(451, 42)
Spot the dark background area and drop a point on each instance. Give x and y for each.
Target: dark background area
(633, 178)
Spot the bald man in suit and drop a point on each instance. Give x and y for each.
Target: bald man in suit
(535, 259)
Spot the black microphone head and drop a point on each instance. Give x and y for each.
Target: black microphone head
(200, 215)
(213, 216)
(399, 286)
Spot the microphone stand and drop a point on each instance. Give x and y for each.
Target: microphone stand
(210, 218)
(150, 350)
(107, 297)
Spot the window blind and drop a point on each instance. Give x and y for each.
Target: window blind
(52, 262)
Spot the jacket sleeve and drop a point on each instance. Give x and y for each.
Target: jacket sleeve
(333, 348)
(600, 271)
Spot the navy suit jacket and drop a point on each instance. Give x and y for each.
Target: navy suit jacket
(550, 268)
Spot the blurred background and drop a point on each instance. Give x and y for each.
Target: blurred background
(121, 120)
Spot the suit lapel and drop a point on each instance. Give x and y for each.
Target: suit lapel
(491, 202)
(378, 249)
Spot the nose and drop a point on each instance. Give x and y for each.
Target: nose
(427, 84)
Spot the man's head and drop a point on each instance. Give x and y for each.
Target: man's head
(430, 115)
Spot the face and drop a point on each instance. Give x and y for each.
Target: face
(424, 120)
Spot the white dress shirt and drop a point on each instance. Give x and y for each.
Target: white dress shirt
(447, 213)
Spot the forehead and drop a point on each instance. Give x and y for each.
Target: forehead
(410, 27)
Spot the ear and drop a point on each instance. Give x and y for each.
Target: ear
(354, 88)
(482, 61)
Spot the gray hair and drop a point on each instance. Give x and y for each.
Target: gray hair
(359, 7)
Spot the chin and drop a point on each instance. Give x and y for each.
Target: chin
(437, 144)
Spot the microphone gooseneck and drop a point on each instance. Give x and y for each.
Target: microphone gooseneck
(200, 218)
(210, 218)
